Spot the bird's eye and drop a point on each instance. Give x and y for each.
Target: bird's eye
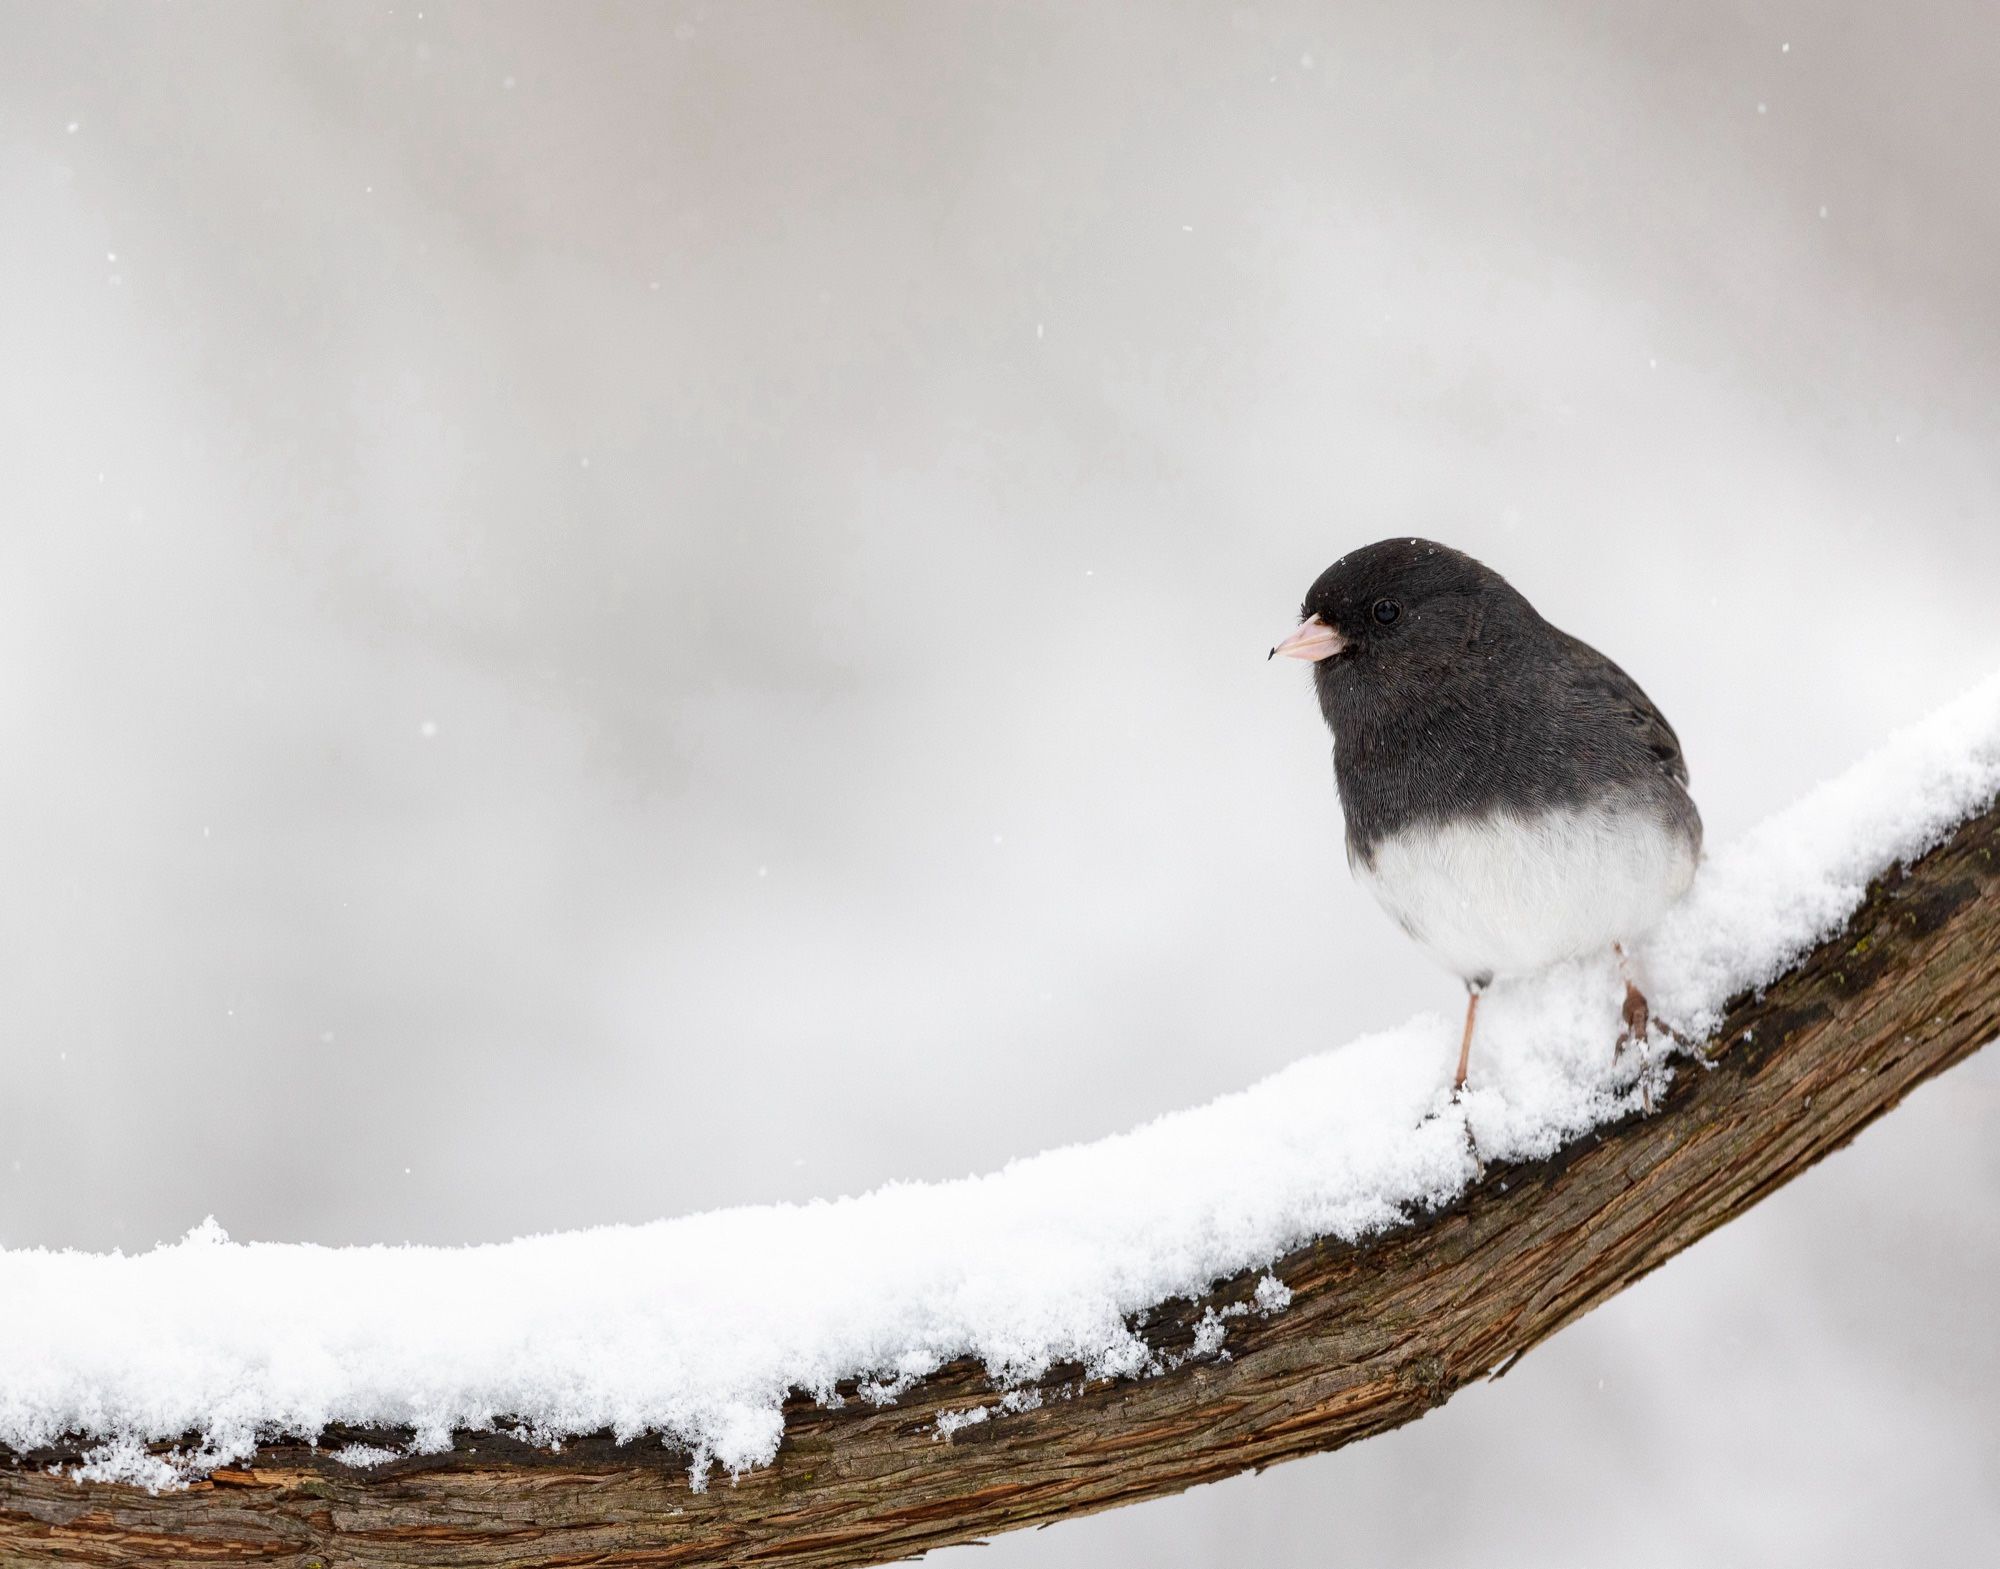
(1386, 610)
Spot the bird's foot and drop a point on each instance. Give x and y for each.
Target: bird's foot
(1638, 1019)
(1699, 1050)
(1637, 1025)
(1478, 1160)
(1454, 1104)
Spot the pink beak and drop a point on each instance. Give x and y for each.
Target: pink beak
(1314, 640)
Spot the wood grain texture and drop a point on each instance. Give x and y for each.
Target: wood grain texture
(1376, 1334)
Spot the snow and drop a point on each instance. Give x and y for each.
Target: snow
(693, 1330)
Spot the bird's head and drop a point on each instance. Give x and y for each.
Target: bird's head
(1397, 627)
(1395, 603)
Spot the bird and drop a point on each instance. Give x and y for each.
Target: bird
(1512, 798)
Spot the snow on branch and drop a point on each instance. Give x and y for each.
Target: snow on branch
(1316, 1259)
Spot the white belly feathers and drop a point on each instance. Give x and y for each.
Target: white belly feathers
(1505, 894)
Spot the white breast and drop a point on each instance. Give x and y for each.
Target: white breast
(1503, 894)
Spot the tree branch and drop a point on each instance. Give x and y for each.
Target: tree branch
(1376, 1334)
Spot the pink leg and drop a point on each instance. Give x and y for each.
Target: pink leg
(1638, 1016)
(1465, 1042)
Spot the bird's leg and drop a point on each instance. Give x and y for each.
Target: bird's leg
(1637, 1015)
(1638, 1021)
(1465, 1041)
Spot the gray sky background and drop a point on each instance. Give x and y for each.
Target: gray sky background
(608, 609)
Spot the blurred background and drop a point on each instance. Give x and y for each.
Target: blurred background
(607, 610)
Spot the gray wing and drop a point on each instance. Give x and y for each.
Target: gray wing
(1602, 687)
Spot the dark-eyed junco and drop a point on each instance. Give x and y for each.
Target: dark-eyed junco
(1512, 798)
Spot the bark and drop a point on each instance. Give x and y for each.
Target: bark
(1376, 1334)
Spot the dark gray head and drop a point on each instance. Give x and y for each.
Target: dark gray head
(1395, 626)
(1448, 695)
